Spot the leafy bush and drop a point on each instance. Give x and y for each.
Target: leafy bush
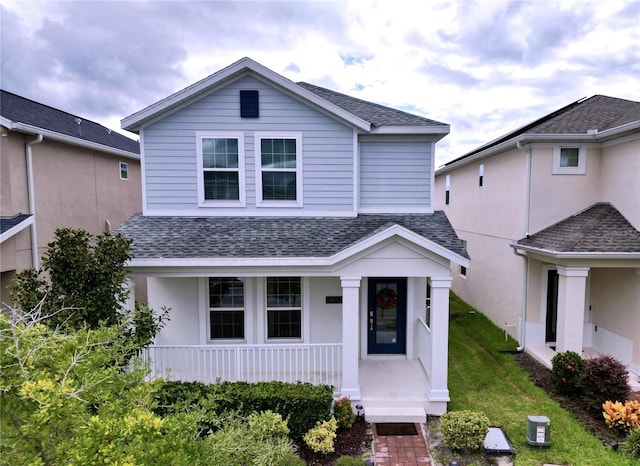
(321, 438)
(349, 461)
(622, 416)
(631, 446)
(289, 459)
(268, 424)
(464, 429)
(301, 404)
(603, 378)
(343, 412)
(565, 372)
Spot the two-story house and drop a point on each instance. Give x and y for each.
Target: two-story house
(58, 170)
(551, 216)
(290, 229)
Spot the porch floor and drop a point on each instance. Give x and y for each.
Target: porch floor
(394, 390)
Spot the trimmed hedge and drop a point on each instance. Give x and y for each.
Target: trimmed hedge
(301, 404)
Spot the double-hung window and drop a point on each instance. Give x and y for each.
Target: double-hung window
(569, 160)
(284, 307)
(221, 169)
(278, 169)
(226, 308)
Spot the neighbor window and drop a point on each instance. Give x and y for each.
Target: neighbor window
(221, 162)
(481, 175)
(463, 271)
(226, 308)
(284, 307)
(569, 161)
(279, 169)
(447, 186)
(124, 171)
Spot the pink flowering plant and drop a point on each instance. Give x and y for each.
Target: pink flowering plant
(565, 373)
(343, 413)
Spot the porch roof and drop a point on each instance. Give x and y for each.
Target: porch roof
(600, 228)
(278, 237)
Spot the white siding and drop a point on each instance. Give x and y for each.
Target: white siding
(170, 149)
(395, 173)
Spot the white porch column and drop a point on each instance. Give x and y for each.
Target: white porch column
(350, 331)
(572, 283)
(130, 285)
(438, 390)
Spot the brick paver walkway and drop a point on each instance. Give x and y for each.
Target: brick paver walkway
(400, 450)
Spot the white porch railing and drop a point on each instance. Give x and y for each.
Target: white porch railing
(313, 363)
(424, 344)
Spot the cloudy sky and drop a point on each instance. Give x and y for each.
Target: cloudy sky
(483, 67)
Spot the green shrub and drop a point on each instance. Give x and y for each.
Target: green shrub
(464, 429)
(349, 461)
(320, 439)
(565, 372)
(289, 459)
(268, 424)
(631, 446)
(603, 378)
(343, 412)
(301, 404)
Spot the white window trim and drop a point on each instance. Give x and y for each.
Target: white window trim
(204, 314)
(126, 169)
(581, 169)
(242, 199)
(259, 135)
(304, 317)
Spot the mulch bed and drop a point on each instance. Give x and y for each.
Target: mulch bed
(350, 442)
(592, 421)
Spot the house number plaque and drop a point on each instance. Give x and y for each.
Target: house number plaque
(334, 299)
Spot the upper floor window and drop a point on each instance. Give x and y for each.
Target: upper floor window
(124, 171)
(226, 308)
(447, 188)
(221, 169)
(569, 160)
(279, 169)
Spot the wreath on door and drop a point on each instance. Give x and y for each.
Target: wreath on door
(386, 298)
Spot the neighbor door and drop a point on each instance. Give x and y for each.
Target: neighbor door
(387, 315)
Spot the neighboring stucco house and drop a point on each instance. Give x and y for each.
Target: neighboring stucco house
(291, 231)
(58, 170)
(550, 213)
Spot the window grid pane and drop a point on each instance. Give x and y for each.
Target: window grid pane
(221, 186)
(220, 153)
(284, 324)
(569, 156)
(279, 186)
(226, 324)
(278, 153)
(226, 293)
(283, 292)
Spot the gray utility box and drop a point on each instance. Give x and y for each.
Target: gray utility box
(538, 431)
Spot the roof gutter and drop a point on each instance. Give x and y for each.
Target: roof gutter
(73, 140)
(577, 255)
(35, 258)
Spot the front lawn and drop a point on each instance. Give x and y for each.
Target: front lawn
(481, 378)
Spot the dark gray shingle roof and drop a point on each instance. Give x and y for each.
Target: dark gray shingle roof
(7, 223)
(21, 110)
(253, 237)
(600, 228)
(376, 114)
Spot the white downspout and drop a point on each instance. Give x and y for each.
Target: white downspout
(527, 214)
(35, 258)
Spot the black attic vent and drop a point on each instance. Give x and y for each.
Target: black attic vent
(249, 107)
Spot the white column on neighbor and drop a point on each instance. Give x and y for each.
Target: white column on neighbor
(350, 331)
(572, 286)
(130, 285)
(438, 390)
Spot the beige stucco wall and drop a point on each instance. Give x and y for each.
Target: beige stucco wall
(619, 175)
(489, 218)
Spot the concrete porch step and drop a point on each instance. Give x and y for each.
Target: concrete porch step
(395, 414)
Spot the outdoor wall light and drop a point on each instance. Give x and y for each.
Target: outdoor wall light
(359, 414)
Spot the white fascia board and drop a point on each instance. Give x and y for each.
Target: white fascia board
(394, 230)
(577, 255)
(510, 144)
(53, 135)
(17, 228)
(441, 130)
(135, 121)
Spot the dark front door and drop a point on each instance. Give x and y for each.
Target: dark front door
(552, 305)
(387, 315)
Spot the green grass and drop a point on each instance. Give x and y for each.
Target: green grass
(485, 380)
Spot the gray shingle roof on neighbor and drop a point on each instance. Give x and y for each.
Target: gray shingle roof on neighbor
(601, 228)
(21, 110)
(254, 237)
(376, 114)
(7, 223)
